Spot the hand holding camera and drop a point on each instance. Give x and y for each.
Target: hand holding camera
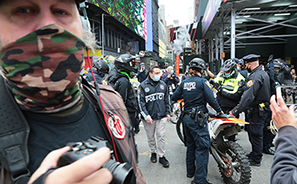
(122, 172)
(88, 169)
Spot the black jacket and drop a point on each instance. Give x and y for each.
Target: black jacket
(120, 82)
(153, 99)
(273, 81)
(284, 76)
(257, 91)
(244, 73)
(141, 76)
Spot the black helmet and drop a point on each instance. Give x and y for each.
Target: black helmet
(124, 63)
(102, 66)
(229, 64)
(197, 63)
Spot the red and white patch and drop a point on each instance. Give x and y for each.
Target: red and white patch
(117, 126)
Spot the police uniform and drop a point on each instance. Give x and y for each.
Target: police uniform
(154, 103)
(257, 92)
(231, 91)
(196, 92)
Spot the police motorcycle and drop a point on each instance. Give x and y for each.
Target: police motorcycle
(232, 160)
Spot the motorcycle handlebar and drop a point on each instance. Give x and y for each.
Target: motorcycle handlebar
(224, 116)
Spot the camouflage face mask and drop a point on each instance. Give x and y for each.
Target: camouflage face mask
(42, 68)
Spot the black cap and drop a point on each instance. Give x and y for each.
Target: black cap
(251, 58)
(236, 60)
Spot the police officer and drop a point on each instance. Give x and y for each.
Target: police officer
(196, 92)
(254, 100)
(154, 107)
(230, 85)
(100, 69)
(242, 68)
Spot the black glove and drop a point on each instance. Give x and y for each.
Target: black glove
(217, 86)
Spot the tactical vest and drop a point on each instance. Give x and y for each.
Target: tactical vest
(229, 85)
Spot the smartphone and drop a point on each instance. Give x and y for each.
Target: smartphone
(288, 92)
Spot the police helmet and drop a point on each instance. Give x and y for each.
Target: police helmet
(197, 63)
(229, 64)
(124, 63)
(102, 66)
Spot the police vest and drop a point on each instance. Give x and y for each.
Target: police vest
(230, 85)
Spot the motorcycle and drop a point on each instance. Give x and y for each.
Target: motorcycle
(176, 110)
(174, 107)
(232, 160)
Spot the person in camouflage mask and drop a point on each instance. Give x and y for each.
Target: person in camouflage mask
(41, 55)
(42, 69)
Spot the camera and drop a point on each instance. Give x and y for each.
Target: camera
(122, 173)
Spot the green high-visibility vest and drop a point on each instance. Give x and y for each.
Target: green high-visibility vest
(229, 85)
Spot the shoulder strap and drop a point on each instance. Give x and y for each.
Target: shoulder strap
(14, 133)
(95, 102)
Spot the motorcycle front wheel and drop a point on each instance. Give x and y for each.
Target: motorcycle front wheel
(176, 111)
(180, 130)
(238, 171)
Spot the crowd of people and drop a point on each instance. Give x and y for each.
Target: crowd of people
(50, 104)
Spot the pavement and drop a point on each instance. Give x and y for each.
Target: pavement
(155, 173)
